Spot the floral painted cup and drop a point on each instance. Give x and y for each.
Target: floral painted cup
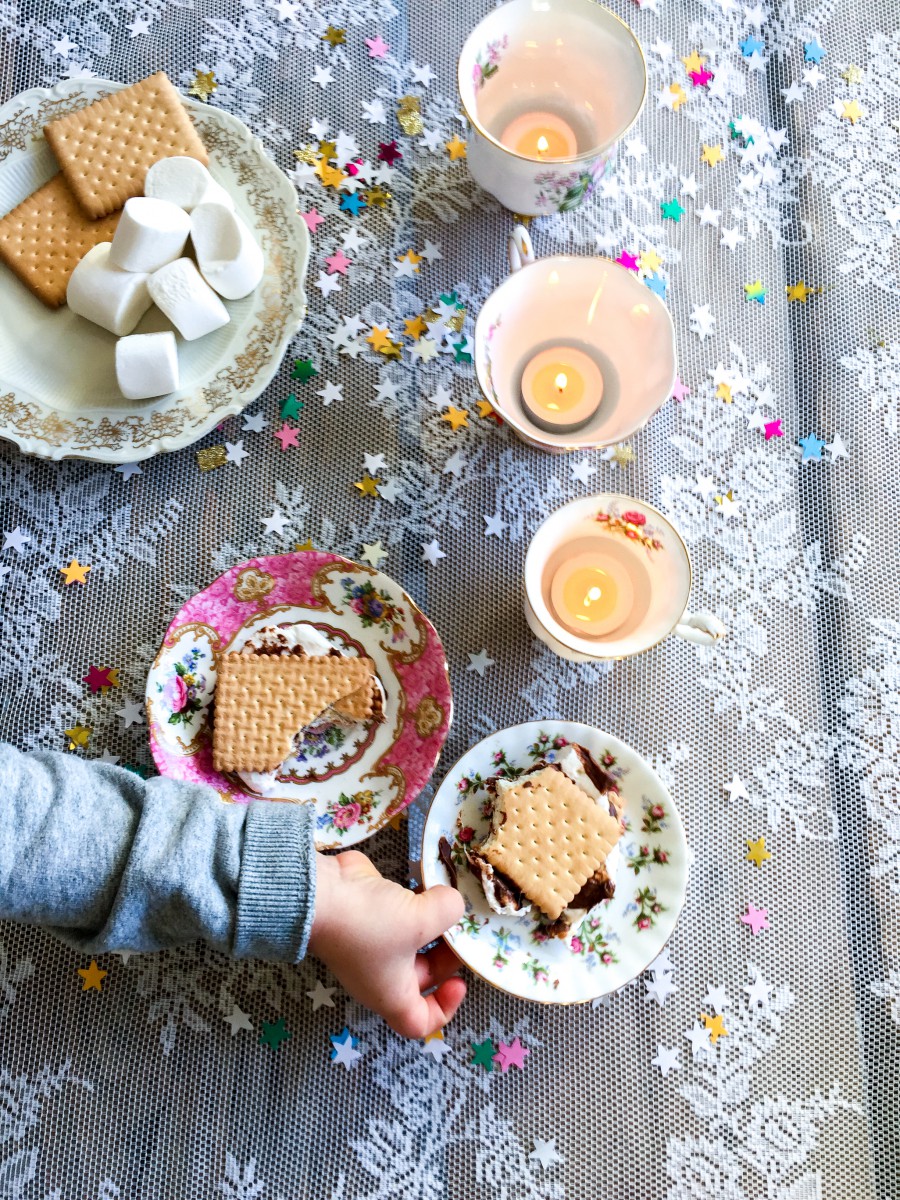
(549, 88)
(607, 577)
(587, 308)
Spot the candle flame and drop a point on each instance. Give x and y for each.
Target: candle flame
(542, 145)
(592, 597)
(561, 380)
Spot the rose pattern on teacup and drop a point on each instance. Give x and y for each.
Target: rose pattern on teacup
(182, 692)
(563, 191)
(633, 525)
(487, 61)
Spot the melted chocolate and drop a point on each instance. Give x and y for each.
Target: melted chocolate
(447, 859)
(598, 887)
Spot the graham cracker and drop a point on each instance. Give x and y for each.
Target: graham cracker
(552, 840)
(262, 702)
(359, 705)
(45, 237)
(105, 149)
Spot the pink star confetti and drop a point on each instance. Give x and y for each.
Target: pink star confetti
(287, 436)
(756, 918)
(701, 78)
(389, 152)
(313, 219)
(679, 391)
(338, 262)
(377, 47)
(97, 678)
(628, 261)
(773, 429)
(511, 1055)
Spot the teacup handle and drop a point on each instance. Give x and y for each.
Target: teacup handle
(519, 248)
(703, 628)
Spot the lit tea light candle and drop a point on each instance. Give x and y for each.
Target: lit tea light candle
(591, 598)
(561, 389)
(540, 135)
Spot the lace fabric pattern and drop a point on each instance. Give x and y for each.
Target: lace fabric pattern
(788, 729)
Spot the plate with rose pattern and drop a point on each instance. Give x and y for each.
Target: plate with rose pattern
(618, 938)
(358, 774)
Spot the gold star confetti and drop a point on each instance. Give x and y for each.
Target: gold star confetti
(485, 409)
(396, 821)
(852, 75)
(367, 486)
(852, 112)
(623, 455)
(393, 350)
(334, 37)
(437, 1036)
(92, 977)
(78, 735)
(377, 197)
(711, 155)
(211, 457)
(203, 86)
(306, 154)
(723, 392)
(379, 338)
(409, 116)
(729, 495)
(415, 327)
(456, 418)
(799, 291)
(758, 852)
(455, 148)
(694, 63)
(411, 257)
(650, 261)
(112, 674)
(301, 546)
(74, 572)
(680, 96)
(328, 150)
(330, 176)
(716, 1026)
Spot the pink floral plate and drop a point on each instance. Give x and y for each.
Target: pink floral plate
(618, 938)
(358, 775)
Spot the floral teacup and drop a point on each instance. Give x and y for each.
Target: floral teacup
(607, 577)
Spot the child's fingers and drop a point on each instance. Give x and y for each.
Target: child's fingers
(423, 1015)
(438, 909)
(436, 966)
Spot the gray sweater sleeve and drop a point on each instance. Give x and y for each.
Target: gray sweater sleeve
(109, 861)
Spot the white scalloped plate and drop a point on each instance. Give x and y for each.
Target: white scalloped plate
(58, 393)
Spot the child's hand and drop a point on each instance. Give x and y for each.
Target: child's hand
(367, 931)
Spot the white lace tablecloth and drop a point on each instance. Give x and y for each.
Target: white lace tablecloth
(145, 1089)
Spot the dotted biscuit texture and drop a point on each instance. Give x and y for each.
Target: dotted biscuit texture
(554, 837)
(105, 149)
(262, 702)
(45, 237)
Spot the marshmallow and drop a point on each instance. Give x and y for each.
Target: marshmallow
(146, 365)
(150, 234)
(185, 182)
(114, 299)
(189, 303)
(227, 254)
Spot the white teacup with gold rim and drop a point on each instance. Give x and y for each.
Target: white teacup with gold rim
(607, 577)
(574, 353)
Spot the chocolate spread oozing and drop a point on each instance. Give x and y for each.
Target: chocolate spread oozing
(598, 887)
(447, 859)
(505, 891)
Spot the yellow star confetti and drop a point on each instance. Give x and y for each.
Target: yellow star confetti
(852, 112)
(680, 96)
(711, 155)
(723, 392)
(799, 291)
(411, 257)
(393, 350)
(92, 977)
(78, 735)
(396, 821)
(623, 455)
(437, 1036)
(377, 197)
(328, 150)
(367, 486)
(716, 1026)
(301, 546)
(334, 37)
(455, 148)
(456, 418)
(485, 408)
(379, 338)
(729, 495)
(650, 261)
(330, 176)
(203, 86)
(112, 674)
(852, 75)
(758, 852)
(74, 572)
(415, 327)
(409, 115)
(211, 457)
(694, 62)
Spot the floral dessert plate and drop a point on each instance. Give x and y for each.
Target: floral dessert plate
(358, 774)
(619, 937)
(66, 403)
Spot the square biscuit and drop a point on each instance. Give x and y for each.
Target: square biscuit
(105, 149)
(45, 237)
(551, 840)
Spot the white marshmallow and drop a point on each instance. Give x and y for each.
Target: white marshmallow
(185, 182)
(113, 299)
(189, 303)
(227, 254)
(150, 234)
(147, 365)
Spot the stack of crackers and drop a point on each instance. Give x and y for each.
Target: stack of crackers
(104, 152)
(263, 702)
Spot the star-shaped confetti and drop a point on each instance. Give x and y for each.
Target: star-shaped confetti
(74, 572)
(712, 155)
(483, 1054)
(432, 552)
(312, 219)
(367, 486)
(92, 976)
(480, 662)
(799, 291)
(98, 678)
(127, 471)
(235, 452)
(772, 429)
(456, 418)
(378, 48)
(756, 919)
(812, 448)
(436, 1045)
(813, 52)
(344, 1049)
(303, 370)
(374, 554)
(715, 1026)
(757, 852)
(667, 1059)
(275, 523)
(389, 152)
(701, 78)
(545, 1153)
(671, 210)
(287, 435)
(203, 86)
(334, 37)
(660, 988)
(131, 714)
(698, 1036)
(629, 261)
(736, 789)
(455, 148)
(15, 539)
(238, 1020)
(78, 735)
(751, 45)
(755, 291)
(274, 1033)
(694, 62)
(321, 996)
(852, 75)
(851, 111)
(291, 408)
(511, 1054)
(837, 449)
(757, 992)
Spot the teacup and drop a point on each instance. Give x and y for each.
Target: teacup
(549, 88)
(573, 321)
(607, 577)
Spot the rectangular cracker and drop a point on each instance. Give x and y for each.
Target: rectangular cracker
(105, 149)
(44, 238)
(262, 702)
(551, 839)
